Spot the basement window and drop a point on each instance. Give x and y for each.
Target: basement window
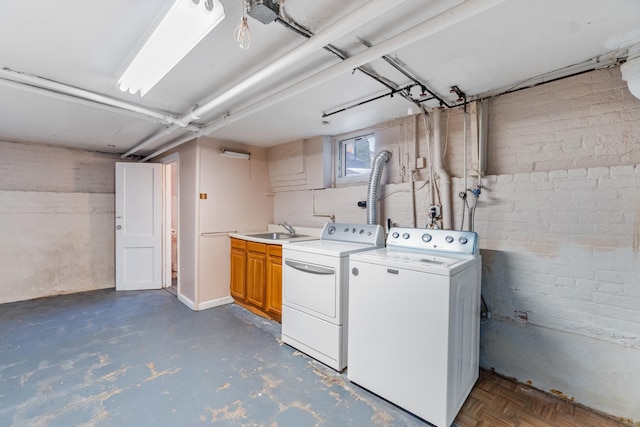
(355, 157)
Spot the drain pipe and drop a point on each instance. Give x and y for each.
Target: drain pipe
(374, 186)
(445, 179)
(343, 26)
(444, 20)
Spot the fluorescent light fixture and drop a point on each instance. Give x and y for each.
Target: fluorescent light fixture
(235, 153)
(181, 29)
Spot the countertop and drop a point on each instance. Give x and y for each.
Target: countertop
(304, 233)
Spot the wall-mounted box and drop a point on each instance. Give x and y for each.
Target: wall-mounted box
(301, 165)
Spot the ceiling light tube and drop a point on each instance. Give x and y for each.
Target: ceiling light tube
(181, 29)
(236, 154)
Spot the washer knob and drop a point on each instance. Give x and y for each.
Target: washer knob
(449, 239)
(426, 237)
(332, 229)
(405, 236)
(361, 231)
(463, 240)
(395, 234)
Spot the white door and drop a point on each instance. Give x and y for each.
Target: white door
(138, 226)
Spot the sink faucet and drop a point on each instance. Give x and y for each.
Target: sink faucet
(288, 227)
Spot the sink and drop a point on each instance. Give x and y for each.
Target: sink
(275, 236)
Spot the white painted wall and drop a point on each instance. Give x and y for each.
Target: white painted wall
(56, 221)
(559, 226)
(238, 198)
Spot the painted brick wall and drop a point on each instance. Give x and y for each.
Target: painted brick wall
(590, 120)
(56, 221)
(559, 226)
(561, 249)
(563, 202)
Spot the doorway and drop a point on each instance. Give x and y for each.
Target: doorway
(171, 276)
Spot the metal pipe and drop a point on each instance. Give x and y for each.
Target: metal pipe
(374, 186)
(343, 26)
(445, 179)
(298, 29)
(444, 20)
(54, 89)
(464, 154)
(366, 101)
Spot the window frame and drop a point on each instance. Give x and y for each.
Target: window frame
(340, 141)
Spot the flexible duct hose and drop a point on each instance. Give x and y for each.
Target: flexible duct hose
(374, 186)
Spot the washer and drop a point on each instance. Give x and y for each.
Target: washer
(315, 283)
(414, 321)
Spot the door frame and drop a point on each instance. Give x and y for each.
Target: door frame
(138, 251)
(167, 162)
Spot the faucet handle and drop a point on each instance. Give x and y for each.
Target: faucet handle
(288, 227)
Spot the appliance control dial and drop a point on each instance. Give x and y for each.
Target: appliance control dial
(449, 239)
(463, 240)
(426, 237)
(395, 235)
(332, 229)
(405, 236)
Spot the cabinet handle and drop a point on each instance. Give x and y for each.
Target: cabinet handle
(307, 268)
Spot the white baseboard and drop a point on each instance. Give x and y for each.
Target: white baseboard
(186, 301)
(215, 303)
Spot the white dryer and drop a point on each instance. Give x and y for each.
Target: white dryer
(315, 290)
(414, 321)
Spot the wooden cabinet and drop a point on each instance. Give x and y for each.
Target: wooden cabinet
(238, 268)
(256, 277)
(256, 273)
(274, 282)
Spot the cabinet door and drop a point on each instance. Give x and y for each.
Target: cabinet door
(238, 268)
(256, 273)
(274, 287)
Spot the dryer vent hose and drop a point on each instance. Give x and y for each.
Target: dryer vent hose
(374, 186)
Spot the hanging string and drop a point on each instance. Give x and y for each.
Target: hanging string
(242, 34)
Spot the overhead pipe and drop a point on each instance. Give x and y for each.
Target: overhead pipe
(440, 22)
(445, 179)
(343, 26)
(54, 89)
(374, 186)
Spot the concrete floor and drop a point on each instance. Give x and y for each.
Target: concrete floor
(144, 359)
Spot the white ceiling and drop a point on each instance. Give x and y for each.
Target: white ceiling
(87, 45)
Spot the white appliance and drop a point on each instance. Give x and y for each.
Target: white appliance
(315, 286)
(414, 321)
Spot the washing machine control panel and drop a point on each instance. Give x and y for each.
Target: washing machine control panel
(353, 233)
(454, 241)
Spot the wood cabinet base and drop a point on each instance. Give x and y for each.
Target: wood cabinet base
(256, 277)
(258, 311)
